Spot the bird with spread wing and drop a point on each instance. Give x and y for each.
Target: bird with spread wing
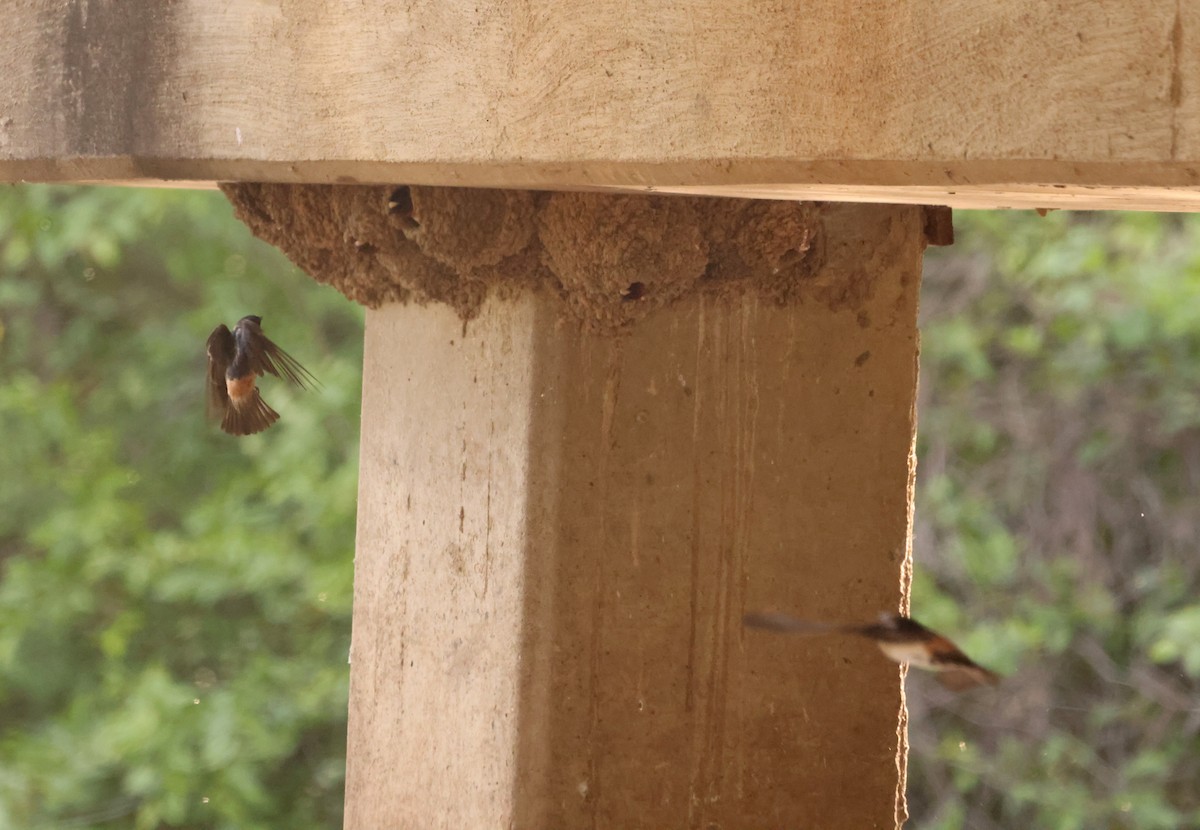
(901, 638)
(236, 359)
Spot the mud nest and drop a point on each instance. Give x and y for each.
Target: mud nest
(612, 258)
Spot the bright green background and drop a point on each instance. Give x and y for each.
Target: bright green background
(1058, 519)
(175, 604)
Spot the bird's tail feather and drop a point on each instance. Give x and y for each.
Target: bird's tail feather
(248, 416)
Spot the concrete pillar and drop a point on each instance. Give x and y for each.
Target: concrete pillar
(560, 528)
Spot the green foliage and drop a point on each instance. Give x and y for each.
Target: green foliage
(1057, 519)
(175, 603)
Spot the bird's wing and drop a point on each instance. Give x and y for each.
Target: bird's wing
(775, 621)
(955, 669)
(960, 678)
(267, 358)
(220, 348)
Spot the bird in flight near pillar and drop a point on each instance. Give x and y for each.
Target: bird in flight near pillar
(901, 638)
(236, 359)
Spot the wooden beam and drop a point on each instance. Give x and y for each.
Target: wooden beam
(560, 530)
(941, 101)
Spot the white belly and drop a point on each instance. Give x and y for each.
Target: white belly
(914, 654)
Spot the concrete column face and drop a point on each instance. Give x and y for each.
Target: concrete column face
(561, 527)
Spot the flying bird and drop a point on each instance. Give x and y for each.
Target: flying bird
(901, 638)
(236, 359)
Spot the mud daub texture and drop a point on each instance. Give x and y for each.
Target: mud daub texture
(613, 258)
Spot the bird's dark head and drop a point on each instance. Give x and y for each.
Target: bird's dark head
(252, 318)
(894, 627)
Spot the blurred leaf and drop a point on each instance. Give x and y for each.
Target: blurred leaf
(164, 656)
(1057, 518)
